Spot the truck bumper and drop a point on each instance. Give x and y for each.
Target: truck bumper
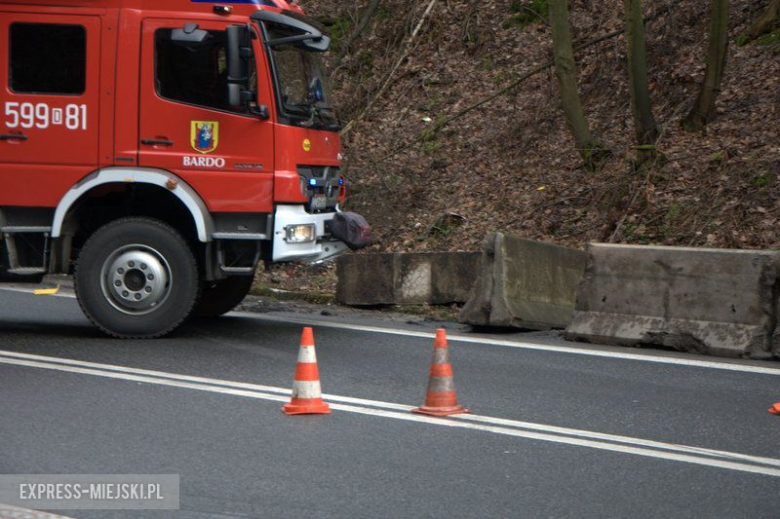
(321, 248)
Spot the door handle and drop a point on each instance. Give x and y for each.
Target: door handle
(156, 142)
(12, 136)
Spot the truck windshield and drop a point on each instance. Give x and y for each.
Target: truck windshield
(301, 84)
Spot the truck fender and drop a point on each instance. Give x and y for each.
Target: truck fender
(158, 177)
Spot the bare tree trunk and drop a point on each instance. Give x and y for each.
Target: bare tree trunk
(704, 110)
(362, 24)
(524, 77)
(646, 128)
(766, 21)
(566, 71)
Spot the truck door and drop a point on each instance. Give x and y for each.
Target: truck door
(49, 83)
(187, 126)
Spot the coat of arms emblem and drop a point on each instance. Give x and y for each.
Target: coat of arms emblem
(204, 136)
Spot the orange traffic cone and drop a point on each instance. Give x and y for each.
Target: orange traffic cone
(775, 409)
(306, 392)
(441, 399)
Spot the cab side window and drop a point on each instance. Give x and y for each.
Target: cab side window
(193, 73)
(47, 59)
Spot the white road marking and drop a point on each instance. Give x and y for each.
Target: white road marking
(13, 512)
(724, 365)
(29, 291)
(574, 350)
(562, 435)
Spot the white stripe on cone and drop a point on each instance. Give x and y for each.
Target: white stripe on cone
(306, 389)
(307, 355)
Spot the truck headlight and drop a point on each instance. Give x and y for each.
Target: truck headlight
(303, 233)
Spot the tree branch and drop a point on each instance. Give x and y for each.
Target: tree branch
(386, 83)
(536, 70)
(356, 33)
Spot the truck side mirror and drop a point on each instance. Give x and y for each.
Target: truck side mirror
(261, 111)
(238, 51)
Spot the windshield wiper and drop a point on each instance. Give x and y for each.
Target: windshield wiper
(299, 108)
(314, 115)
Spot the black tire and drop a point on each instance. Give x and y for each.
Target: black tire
(220, 297)
(136, 278)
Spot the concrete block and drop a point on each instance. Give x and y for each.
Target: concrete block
(455, 275)
(717, 302)
(365, 279)
(411, 278)
(524, 284)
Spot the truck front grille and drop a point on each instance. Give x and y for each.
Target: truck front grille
(321, 185)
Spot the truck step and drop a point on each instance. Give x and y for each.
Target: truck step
(27, 271)
(239, 236)
(10, 229)
(236, 270)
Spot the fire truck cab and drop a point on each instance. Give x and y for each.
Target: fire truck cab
(159, 150)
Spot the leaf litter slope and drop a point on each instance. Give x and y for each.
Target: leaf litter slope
(511, 166)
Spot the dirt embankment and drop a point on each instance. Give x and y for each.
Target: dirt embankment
(511, 164)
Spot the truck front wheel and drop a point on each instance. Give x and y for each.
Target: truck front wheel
(220, 297)
(136, 278)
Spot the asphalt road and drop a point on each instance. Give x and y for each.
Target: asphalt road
(558, 429)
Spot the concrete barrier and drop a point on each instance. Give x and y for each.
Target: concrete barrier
(413, 278)
(524, 284)
(717, 302)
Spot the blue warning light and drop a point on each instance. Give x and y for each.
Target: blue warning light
(313, 182)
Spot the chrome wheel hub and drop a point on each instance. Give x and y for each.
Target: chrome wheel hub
(136, 279)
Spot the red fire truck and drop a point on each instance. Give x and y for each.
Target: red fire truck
(159, 150)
